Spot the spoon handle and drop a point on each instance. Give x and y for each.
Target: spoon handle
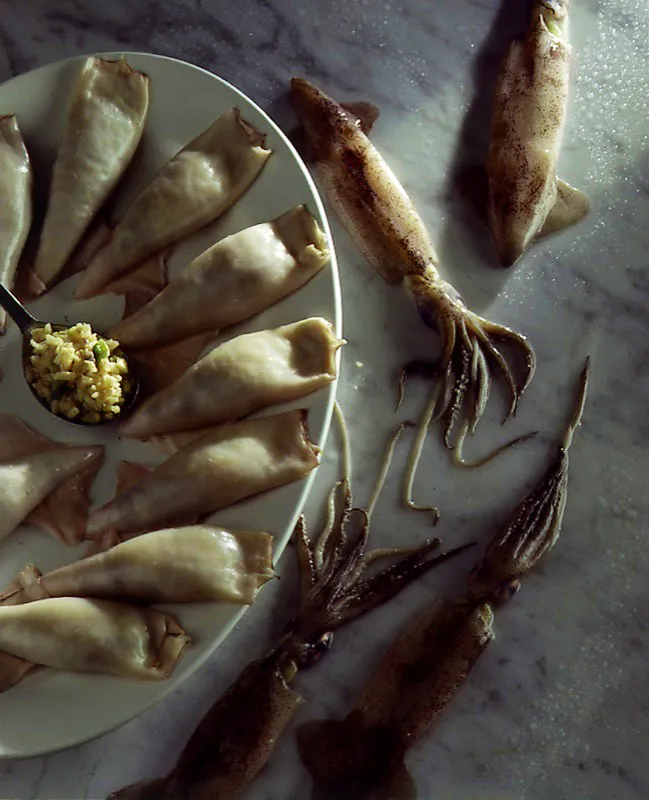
(16, 310)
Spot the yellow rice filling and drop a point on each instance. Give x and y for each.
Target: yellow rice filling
(78, 373)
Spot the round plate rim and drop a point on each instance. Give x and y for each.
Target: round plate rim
(169, 686)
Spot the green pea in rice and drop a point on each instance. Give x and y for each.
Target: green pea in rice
(77, 373)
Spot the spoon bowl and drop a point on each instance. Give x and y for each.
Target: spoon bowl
(27, 324)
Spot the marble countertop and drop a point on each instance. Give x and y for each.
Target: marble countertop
(558, 706)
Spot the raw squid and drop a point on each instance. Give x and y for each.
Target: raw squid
(72, 633)
(141, 285)
(199, 183)
(386, 227)
(178, 565)
(159, 368)
(44, 483)
(526, 199)
(221, 758)
(242, 375)
(104, 127)
(16, 204)
(362, 756)
(223, 466)
(233, 280)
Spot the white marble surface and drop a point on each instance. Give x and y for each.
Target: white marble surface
(558, 706)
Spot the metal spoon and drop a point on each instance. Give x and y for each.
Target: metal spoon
(27, 323)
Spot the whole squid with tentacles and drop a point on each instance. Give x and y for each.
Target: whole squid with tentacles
(362, 756)
(236, 737)
(386, 227)
(526, 199)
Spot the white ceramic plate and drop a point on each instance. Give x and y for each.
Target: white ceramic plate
(49, 711)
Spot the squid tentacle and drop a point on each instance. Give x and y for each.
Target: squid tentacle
(318, 550)
(362, 755)
(458, 453)
(222, 758)
(306, 558)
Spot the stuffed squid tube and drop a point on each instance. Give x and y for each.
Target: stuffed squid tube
(179, 565)
(233, 280)
(242, 375)
(16, 206)
(105, 124)
(43, 482)
(217, 469)
(199, 183)
(26, 482)
(71, 633)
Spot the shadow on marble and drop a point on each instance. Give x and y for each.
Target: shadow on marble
(281, 112)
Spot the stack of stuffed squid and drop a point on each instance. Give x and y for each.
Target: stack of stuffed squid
(149, 544)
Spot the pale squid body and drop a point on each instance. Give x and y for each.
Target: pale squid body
(71, 633)
(192, 564)
(104, 127)
(385, 225)
(526, 199)
(216, 469)
(233, 280)
(43, 482)
(16, 206)
(199, 183)
(240, 376)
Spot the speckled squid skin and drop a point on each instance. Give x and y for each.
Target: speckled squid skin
(527, 128)
(365, 193)
(232, 743)
(388, 231)
(362, 756)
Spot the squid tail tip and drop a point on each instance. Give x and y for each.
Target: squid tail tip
(580, 405)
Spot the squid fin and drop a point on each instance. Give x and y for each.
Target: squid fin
(570, 207)
(366, 113)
